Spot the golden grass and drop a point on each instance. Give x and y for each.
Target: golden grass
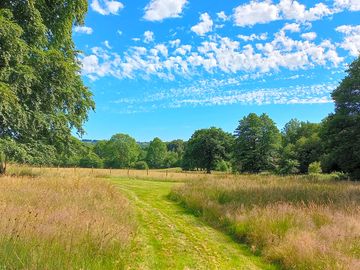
(298, 223)
(62, 220)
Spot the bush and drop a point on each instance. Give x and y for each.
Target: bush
(223, 166)
(314, 168)
(92, 160)
(141, 165)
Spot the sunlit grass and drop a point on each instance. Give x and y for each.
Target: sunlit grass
(298, 223)
(60, 220)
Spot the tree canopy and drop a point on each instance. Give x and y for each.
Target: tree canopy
(43, 96)
(341, 132)
(206, 147)
(257, 143)
(156, 153)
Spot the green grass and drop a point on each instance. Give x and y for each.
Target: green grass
(63, 221)
(297, 222)
(168, 237)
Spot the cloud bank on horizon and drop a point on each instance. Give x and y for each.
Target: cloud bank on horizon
(255, 52)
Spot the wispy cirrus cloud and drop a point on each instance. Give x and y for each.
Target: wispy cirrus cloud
(212, 93)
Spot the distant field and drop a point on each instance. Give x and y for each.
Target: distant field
(63, 221)
(298, 223)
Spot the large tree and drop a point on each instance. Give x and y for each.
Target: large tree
(257, 143)
(206, 147)
(301, 145)
(121, 151)
(341, 132)
(156, 153)
(42, 95)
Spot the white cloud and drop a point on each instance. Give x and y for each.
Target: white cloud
(255, 12)
(293, 10)
(158, 10)
(162, 49)
(175, 43)
(252, 37)
(292, 27)
(353, 5)
(107, 44)
(222, 54)
(309, 35)
(148, 36)
(348, 29)
(119, 32)
(351, 40)
(83, 30)
(266, 11)
(204, 26)
(222, 16)
(106, 7)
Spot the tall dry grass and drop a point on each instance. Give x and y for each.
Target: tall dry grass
(297, 223)
(60, 220)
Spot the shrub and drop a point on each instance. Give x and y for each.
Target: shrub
(223, 166)
(314, 168)
(92, 160)
(141, 165)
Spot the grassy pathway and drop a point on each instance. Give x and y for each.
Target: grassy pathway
(170, 238)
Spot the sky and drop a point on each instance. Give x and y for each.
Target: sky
(165, 68)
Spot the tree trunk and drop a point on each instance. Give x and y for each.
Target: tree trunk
(2, 164)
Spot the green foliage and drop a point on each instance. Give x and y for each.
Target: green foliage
(288, 163)
(176, 149)
(156, 153)
(223, 166)
(314, 168)
(121, 151)
(141, 165)
(43, 96)
(171, 160)
(301, 145)
(341, 132)
(91, 160)
(206, 147)
(257, 144)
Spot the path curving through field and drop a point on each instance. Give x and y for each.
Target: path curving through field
(170, 238)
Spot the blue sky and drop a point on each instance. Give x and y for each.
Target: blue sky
(168, 67)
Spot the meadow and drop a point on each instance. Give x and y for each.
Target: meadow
(57, 219)
(297, 222)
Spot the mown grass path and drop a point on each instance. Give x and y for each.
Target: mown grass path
(170, 238)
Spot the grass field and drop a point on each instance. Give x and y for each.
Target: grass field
(297, 223)
(63, 221)
(128, 219)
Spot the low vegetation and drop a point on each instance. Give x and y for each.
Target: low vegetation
(63, 220)
(297, 222)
